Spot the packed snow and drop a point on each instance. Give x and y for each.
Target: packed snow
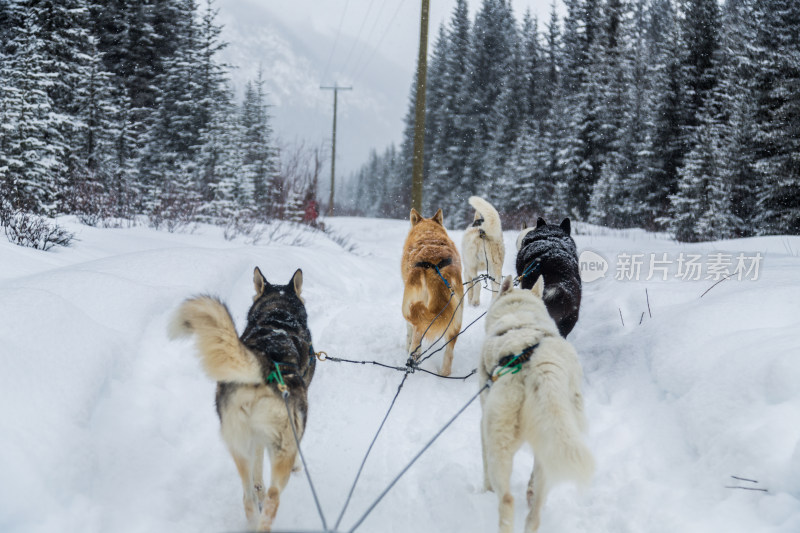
(109, 426)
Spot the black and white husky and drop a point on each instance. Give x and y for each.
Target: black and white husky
(535, 398)
(273, 354)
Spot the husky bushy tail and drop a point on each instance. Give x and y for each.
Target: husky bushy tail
(558, 426)
(482, 247)
(491, 219)
(223, 356)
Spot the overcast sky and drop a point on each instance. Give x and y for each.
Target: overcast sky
(369, 44)
(390, 25)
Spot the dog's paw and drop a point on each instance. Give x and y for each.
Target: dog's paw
(264, 524)
(298, 466)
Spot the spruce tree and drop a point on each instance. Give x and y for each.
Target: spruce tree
(32, 156)
(453, 135)
(490, 49)
(259, 163)
(668, 140)
(434, 189)
(777, 118)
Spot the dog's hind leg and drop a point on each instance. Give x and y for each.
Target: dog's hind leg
(281, 462)
(258, 477)
(447, 361)
(244, 465)
(500, 460)
(415, 339)
(452, 336)
(471, 272)
(487, 486)
(537, 494)
(496, 272)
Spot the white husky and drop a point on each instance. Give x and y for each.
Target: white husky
(482, 247)
(540, 404)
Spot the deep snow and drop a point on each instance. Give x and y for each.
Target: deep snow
(108, 426)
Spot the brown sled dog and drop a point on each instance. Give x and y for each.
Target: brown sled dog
(251, 410)
(427, 253)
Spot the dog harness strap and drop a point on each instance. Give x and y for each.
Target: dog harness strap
(446, 283)
(441, 264)
(275, 375)
(477, 223)
(513, 363)
(533, 266)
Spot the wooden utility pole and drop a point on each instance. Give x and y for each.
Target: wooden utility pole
(336, 90)
(419, 110)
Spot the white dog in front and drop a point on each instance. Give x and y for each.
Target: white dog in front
(482, 247)
(538, 402)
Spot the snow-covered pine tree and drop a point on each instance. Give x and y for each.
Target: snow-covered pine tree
(259, 164)
(434, 190)
(538, 94)
(702, 204)
(581, 143)
(32, 155)
(135, 38)
(777, 118)
(551, 130)
(218, 157)
(492, 41)
(90, 192)
(735, 71)
(394, 196)
(609, 193)
(523, 187)
(64, 30)
(636, 144)
(453, 135)
(168, 164)
(220, 163)
(373, 189)
(700, 26)
(667, 136)
(508, 115)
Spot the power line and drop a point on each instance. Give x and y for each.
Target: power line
(380, 42)
(369, 37)
(335, 40)
(358, 35)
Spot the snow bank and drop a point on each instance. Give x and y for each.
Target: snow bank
(107, 425)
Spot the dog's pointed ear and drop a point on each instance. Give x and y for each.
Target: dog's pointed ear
(415, 217)
(439, 217)
(540, 222)
(524, 225)
(260, 282)
(565, 225)
(508, 282)
(297, 281)
(538, 287)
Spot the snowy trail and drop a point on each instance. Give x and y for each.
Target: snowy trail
(108, 426)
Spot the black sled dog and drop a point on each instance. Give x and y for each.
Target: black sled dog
(251, 370)
(548, 250)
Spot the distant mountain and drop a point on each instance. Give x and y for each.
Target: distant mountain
(293, 56)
